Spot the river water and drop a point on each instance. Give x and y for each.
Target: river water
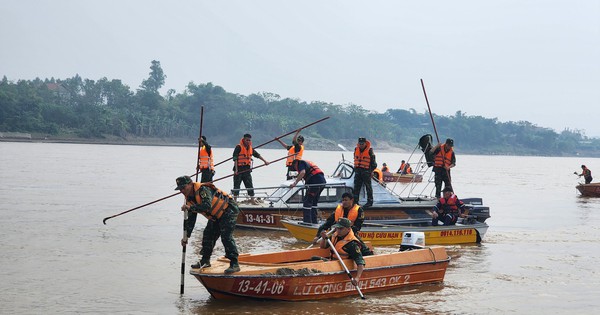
(540, 255)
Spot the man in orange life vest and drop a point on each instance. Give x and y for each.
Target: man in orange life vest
(364, 164)
(295, 151)
(315, 180)
(385, 168)
(347, 209)
(444, 160)
(206, 162)
(347, 245)
(242, 161)
(220, 210)
(448, 209)
(401, 168)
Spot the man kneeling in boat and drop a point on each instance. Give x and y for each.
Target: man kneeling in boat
(221, 211)
(347, 245)
(448, 208)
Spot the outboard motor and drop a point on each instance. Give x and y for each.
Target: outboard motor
(412, 240)
(425, 144)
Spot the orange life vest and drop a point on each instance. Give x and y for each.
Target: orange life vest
(402, 166)
(219, 203)
(313, 169)
(362, 159)
(339, 244)
(443, 158)
(379, 174)
(352, 214)
(450, 205)
(293, 155)
(245, 157)
(385, 169)
(206, 161)
(408, 170)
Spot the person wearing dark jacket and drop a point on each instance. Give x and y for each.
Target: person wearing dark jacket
(314, 179)
(448, 209)
(242, 166)
(586, 173)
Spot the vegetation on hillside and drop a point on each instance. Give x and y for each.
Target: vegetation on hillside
(104, 108)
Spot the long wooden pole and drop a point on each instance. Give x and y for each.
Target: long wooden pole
(177, 193)
(199, 142)
(345, 268)
(430, 114)
(275, 139)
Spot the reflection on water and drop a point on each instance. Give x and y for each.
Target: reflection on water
(539, 255)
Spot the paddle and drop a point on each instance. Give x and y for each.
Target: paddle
(177, 193)
(345, 268)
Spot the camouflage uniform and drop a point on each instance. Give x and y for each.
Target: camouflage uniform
(215, 228)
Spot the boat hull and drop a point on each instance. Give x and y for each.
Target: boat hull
(589, 190)
(386, 235)
(316, 280)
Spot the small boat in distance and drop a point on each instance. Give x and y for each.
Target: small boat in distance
(402, 178)
(309, 274)
(589, 190)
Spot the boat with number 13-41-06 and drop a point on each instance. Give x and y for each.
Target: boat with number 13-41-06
(295, 275)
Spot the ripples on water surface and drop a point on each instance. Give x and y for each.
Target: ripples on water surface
(539, 256)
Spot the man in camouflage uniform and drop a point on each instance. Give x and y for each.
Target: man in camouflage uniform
(220, 210)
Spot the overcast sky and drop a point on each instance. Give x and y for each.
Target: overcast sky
(514, 60)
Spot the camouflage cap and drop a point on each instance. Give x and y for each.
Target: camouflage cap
(182, 181)
(343, 222)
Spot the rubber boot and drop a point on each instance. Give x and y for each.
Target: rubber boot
(233, 267)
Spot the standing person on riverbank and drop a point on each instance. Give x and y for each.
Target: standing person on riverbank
(315, 180)
(242, 160)
(586, 173)
(444, 160)
(295, 151)
(220, 210)
(364, 164)
(206, 161)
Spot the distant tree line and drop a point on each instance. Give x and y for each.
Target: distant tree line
(91, 109)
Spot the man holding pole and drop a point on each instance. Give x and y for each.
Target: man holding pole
(295, 151)
(220, 210)
(242, 160)
(347, 246)
(444, 160)
(315, 180)
(206, 161)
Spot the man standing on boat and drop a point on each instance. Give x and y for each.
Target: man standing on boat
(314, 179)
(206, 162)
(220, 210)
(295, 151)
(444, 160)
(448, 209)
(347, 245)
(586, 173)
(364, 164)
(242, 160)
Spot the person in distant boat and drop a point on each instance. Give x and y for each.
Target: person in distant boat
(401, 168)
(407, 169)
(347, 246)
(295, 151)
(314, 179)
(448, 209)
(385, 168)
(220, 210)
(586, 173)
(242, 161)
(206, 161)
(364, 164)
(444, 160)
